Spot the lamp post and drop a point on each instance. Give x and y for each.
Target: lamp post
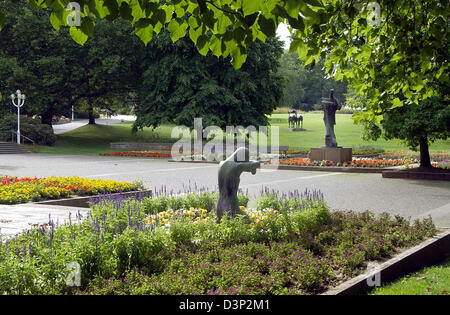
(20, 100)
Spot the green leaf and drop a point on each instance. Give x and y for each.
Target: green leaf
(202, 45)
(55, 20)
(78, 35)
(267, 25)
(177, 29)
(397, 103)
(292, 8)
(2, 20)
(313, 3)
(144, 30)
(87, 26)
(238, 58)
(194, 34)
(216, 46)
(250, 6)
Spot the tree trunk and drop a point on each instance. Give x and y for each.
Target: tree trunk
(46, 117)
(91, 116)
(425, 161)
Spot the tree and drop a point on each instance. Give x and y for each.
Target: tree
(107, 69)
(397, 60)
(305, 87)
(419, 125)
(179, 85)
(353, 39)
(56, 73)
(30, 61)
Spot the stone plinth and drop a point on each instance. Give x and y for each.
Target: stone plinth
(336, 155)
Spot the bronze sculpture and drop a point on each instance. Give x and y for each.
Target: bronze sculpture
(330, 106)
(229, 172)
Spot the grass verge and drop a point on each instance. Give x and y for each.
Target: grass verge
(434, 280)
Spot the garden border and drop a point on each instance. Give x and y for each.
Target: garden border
(363, 170)
(429, 252)
(83, 202)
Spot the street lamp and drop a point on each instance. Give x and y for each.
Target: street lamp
(20, 100)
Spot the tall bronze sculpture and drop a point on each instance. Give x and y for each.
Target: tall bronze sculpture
(330, 106)
(331, 151)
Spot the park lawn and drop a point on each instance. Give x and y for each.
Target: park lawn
(433, 280)
(96, 139)
(347, 134)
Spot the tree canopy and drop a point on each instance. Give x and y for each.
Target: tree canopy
(304, 86)
(56, 72)
(179, 85)
(357, 41)
(407, 32)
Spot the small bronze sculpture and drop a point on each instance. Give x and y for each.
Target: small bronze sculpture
(229, 172)
(330, 106)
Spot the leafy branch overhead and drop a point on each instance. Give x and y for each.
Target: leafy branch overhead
(224, 27)
(355, 43)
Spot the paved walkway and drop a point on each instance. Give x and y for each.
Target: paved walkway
(359, 192)
(17, 218)
(58, 129)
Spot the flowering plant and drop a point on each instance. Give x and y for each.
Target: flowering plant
(24, 189)
(139, 154)
(356, 162)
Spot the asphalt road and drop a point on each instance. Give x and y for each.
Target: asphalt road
(359, 192)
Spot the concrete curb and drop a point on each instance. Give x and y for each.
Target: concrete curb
(83, 202)
(193, 161)
(427, 253)
(444, 176)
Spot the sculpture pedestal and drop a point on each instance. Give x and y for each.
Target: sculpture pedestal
(336, 155)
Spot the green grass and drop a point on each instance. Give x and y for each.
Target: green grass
(428, 281)
(95, 139)
(347, 134)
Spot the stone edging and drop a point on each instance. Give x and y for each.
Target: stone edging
(427, 253)
(416, 175)
(83, 202)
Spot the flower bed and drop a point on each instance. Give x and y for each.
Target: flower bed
(297, 246)
(25, 189)
(356, 162)
(146, 154)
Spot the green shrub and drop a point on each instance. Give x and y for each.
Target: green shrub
(205, 200)
(298, 250)
(29, 127)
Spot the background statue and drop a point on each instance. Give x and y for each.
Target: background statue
(330, 106)
(230, 171)
(295, 119)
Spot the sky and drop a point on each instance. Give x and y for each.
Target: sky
(283, 34)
